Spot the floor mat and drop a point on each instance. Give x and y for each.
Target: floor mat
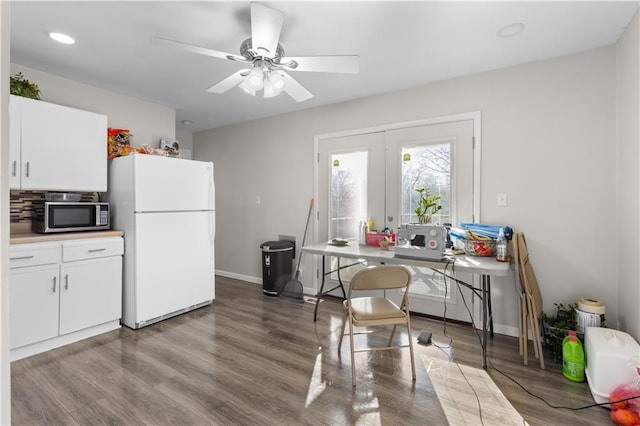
(455, 385)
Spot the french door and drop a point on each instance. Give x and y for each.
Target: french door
(374, 176)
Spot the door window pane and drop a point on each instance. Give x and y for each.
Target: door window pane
(348, 205)
(426, 166)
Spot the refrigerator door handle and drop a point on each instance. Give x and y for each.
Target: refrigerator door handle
(211, 229)
(211, 188)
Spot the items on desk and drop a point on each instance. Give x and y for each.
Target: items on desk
(482, 230)
(501, 247)
(363, 229)
(483, 240)
(339, 242)
(421, 241)
(375, 239)
(385, 243)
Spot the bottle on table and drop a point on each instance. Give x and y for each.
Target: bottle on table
(501, 247)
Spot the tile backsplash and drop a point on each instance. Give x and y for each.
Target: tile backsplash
(21, 203)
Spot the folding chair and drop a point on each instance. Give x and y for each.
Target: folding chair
(531, 312)
(377, 310)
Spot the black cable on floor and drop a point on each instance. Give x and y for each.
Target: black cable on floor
(521, 386)
(451, 261)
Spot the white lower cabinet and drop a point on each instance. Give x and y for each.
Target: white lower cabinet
(34, 296)
(91, 293)
(62, 292)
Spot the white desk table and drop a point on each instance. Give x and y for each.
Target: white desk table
(485, 267)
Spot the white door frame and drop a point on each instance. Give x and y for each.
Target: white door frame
(475, 116)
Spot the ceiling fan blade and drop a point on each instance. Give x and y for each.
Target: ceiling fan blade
(197, 49)
(229, 83)
(346, 64)
(295, 89)
(266, 24)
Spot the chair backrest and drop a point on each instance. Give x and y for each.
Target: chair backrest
(380, 278)
(528, 277)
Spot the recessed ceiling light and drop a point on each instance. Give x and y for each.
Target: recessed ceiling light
(187, 122)
(62, 38)
(510, 30)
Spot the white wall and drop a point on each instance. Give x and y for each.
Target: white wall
(5, 371)
(185, 138)
(549, 140)
(628, 54)
(148, 122)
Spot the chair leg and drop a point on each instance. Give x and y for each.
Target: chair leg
(342, 330)
(520, 331)
(536, 339)
(393, 331)
(532, 321)
(413, 363)
(524, 331)
(353, 358)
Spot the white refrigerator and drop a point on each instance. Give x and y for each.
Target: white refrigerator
(166, 208)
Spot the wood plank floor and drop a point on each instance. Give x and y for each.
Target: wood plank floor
(253, 360)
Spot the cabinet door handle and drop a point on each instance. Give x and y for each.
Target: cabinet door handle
(54, 284)
(15, 168)
(96, 250)
(21, 257)
(27, 169)
(66, 281)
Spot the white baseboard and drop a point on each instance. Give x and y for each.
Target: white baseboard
(256, 280)
(240, 277)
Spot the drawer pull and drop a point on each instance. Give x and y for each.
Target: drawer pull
(97, 250)
(54, 284)
(28, 167)
(14, 173)
(66, 281)
(21, 257)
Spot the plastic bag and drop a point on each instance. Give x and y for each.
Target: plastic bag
(118, 143)
(624, 411)
(485, 230)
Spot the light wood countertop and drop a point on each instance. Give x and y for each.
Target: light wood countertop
(20, 235)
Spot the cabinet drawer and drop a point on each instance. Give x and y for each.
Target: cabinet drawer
(21, 255)
(92, 248)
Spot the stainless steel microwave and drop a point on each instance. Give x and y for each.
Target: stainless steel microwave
(53, 216)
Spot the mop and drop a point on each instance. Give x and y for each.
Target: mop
(293, 288)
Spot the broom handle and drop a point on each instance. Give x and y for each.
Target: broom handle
(304, 237)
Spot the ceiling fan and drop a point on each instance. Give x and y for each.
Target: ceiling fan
(267, 64)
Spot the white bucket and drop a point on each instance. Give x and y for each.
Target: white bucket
(589, 314)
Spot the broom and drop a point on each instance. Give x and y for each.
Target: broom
(293, 288)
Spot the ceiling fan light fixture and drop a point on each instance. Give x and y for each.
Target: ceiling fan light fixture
(268, 91)
(245, 87)
(277, 81)
(255, 79)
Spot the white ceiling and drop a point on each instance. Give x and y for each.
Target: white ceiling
(401, 44)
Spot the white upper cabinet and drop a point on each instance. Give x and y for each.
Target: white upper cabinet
(60, 148)
(14, 141)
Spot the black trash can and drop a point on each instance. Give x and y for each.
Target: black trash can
(277, 265)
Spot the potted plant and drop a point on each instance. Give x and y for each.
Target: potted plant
(428, 205)
(556, 327)
(20, 86)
